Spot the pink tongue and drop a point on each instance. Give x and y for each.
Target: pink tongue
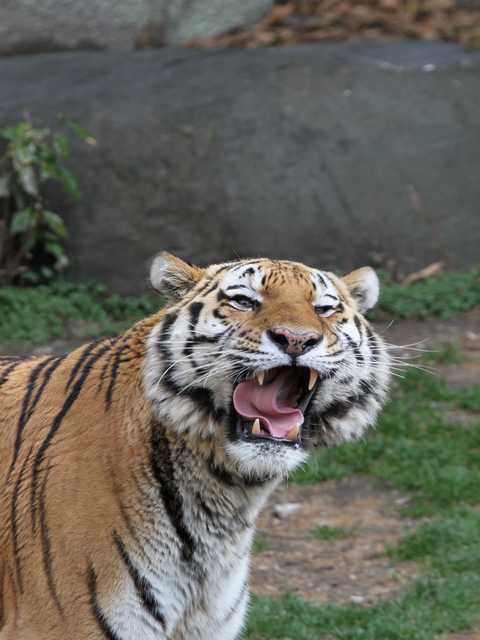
(252, 401)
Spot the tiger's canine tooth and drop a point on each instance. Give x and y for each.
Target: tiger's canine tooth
(256, 429)
(312, 379)
(293, 433)
(260, 377)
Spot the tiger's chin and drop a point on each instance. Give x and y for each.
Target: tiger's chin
(271, 421)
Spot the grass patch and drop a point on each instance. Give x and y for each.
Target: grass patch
(63, 309)
(443, 295)
(430, 607)
(260, 544)
(450, 353)
(448, 545)
(324, 532)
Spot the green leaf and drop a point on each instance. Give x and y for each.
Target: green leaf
(56, 224)
(82, 133)
(23, 221)
(28, 180)
(54, 248)
(61, 145)
(69, 182)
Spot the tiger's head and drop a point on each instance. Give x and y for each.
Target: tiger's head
(265, 358)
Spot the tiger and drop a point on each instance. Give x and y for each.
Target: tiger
(133, 468)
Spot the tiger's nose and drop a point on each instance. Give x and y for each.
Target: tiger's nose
(292, 342)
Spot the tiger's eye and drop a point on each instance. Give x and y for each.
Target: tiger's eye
(325, 310)
(242, 303)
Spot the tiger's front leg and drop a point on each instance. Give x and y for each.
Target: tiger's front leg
(220, 613)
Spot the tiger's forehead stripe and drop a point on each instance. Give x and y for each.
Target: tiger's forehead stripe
(262, 275)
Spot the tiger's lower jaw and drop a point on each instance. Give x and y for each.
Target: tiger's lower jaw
(265, 457)
(252, 431)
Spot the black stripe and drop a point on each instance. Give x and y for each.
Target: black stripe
(249, 272)
(13, 522)
(234, 608)
(47, 547)
(222, 475)
(24, 415)
(113, 375)
(321, 280)
(204, 398)
(218, 314)
(164, 474)
(108, 360)
(203, 288)
(142, 585)
(46, 379)
(242, 265)
(199, 339)
(8, 370)
(359, 326)
(332, 344)
(373, 344)
(366, 387)
(97, 612)
(210, 289)
(83, 356)
(195, 309)
(337, 409)
(359, 357)
(57, 421)
(128, 522)
(229, 479)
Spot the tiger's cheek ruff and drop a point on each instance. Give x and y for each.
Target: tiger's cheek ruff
(349, 403)
(176, 375)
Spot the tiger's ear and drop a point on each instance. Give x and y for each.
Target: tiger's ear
(364, 287)
(172, 277)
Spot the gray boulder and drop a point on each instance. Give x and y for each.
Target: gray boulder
(34, 26)
(337, 155)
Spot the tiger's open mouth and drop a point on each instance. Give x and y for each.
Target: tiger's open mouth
(273, 405)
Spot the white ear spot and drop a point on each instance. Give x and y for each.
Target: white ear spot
(364, 287)
(158, 271)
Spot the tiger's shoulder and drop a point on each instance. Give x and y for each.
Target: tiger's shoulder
(34, 390)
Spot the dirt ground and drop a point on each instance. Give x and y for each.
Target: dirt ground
(353, 569)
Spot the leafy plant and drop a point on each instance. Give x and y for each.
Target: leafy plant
(32, 236)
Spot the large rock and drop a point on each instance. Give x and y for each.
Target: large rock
(338, 155)
(33, 26)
